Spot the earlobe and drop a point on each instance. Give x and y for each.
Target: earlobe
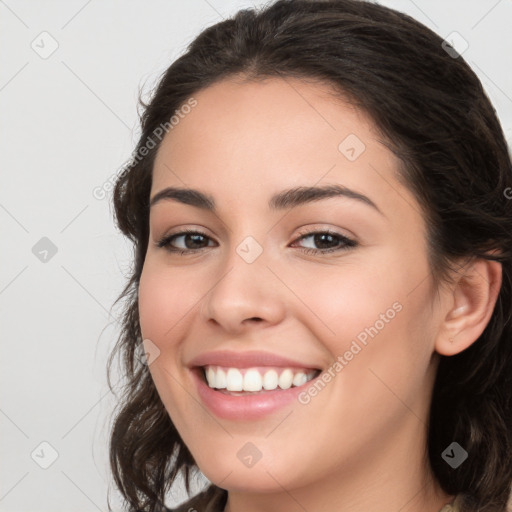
(470, 306)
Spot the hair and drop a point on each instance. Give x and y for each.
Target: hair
(434, 115)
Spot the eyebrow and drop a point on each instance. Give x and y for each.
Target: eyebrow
(285, 199)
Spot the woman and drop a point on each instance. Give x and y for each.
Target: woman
(319, 314)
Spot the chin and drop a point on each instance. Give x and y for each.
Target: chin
(228, 472)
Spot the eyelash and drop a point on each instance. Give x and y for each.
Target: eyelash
(347, 242)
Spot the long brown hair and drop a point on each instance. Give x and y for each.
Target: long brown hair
(435, 116)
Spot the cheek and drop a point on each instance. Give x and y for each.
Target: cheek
(152, 302)
(162, 313)
(162, 303)
(375, 317)
(349, 300)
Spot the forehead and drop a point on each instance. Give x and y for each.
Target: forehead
(248, 138)
(266, 119)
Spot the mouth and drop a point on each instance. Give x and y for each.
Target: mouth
(250, 386)
(256, 380)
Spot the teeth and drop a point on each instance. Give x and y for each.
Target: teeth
(256, 379)
(252, 380)
(299, 378)
(270, 380)
(210, 375)
(285, 379)
(221, 379)
(234, 380)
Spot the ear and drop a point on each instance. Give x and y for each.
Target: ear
(470, 306)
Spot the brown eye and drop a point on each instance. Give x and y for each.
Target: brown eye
(328, 241)
(193, 241)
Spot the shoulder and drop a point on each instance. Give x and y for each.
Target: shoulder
(212, 499)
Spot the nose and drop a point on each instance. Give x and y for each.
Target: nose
(244, 295)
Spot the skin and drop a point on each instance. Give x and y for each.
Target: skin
(361, 441)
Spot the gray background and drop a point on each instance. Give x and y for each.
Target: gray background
(69, 122)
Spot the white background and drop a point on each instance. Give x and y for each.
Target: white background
(69, 122)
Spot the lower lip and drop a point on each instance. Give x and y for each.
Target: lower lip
(244, 407)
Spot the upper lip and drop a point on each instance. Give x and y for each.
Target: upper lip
(247, 359)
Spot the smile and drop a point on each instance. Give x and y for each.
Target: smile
(250, 385)
(254, 380)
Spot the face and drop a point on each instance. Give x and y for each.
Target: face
(272, 288)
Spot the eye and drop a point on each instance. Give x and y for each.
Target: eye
(328, 238)
(196, 238)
